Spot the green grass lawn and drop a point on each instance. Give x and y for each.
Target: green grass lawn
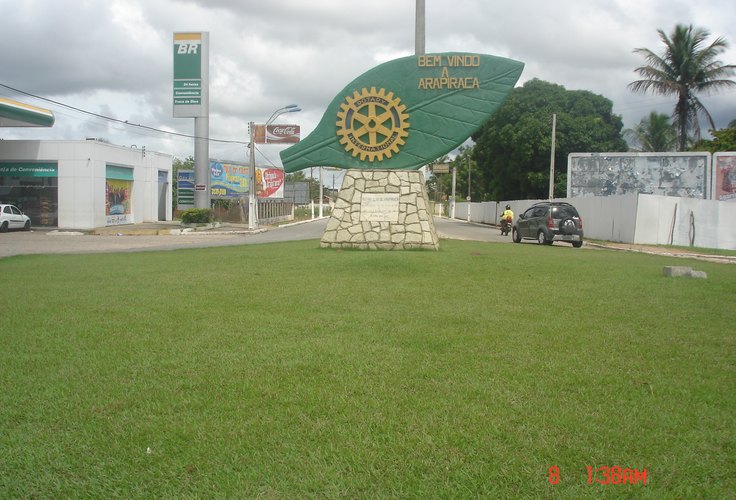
(289, 371)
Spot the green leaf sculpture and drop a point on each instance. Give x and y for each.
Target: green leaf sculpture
(407, 112)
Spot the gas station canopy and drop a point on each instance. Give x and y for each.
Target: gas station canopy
(18, 114)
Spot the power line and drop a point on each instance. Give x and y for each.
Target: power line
(123, 122)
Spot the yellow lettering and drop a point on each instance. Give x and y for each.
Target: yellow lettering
(445, 73)
(467, 60)
(428, 61)
(448, 82)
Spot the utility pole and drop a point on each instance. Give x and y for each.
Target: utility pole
(419, 38)
(552, 159)
(252, 191)
(452, 198)
(321, 193)
(467, 162)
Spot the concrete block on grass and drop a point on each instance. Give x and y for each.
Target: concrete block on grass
(683, 271)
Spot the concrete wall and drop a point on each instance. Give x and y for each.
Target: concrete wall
(489, 212)
(638, 218)
(644, 198)
(666, 220)
(610, 218)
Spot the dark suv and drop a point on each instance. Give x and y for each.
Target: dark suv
(550, 221)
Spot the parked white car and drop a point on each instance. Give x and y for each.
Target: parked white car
(12, 218)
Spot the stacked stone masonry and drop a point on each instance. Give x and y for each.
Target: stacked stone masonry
(406, 222)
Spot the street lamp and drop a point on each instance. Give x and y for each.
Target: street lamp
(290, 108)
(253, 193)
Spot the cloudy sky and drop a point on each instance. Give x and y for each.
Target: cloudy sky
(114, 57)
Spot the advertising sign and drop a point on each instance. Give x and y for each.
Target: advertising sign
(36, 169)
(276, 134)
(185, 189)
(117, 202)
(228, 179)
(191, 74)
(724, 173)
(270, 182)
(232, 180)
(405, 113)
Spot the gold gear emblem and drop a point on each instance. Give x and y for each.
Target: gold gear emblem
(372, 124)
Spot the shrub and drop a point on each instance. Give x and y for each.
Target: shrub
(197, 216)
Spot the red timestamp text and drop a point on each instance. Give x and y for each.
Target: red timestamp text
(606, 475)
(616, 475)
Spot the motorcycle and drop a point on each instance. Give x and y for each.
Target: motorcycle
(505, 227)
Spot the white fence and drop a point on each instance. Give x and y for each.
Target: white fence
(635, 218)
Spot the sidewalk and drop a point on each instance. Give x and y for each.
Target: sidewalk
(167, 228)
(662, 250)
(174, 228)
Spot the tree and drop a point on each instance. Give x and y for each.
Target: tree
(653, 133)
(512, 149)
(723, 140)
(686, 68)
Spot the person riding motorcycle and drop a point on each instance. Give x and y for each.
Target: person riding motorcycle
(508, 214)
(507, 218)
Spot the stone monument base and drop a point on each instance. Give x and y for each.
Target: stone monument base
(381, 210)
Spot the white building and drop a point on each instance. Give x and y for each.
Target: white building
(85, 184)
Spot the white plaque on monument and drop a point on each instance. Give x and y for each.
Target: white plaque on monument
(379, 207)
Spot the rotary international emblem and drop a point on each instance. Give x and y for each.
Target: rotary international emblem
(372, 124)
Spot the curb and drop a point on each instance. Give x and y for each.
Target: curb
(721, 259)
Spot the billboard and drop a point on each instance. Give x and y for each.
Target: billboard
(724, 176)
(276, 134)
(684, 175)
(191, 75)
(229, 179)
(297, 192)
(232, 180)
(270, 182)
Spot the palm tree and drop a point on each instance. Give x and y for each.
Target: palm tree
(687, 67)
(653, 133)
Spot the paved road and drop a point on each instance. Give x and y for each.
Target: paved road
(460, 230)
(59, 242)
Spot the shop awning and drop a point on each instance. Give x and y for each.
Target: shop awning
(18, 114)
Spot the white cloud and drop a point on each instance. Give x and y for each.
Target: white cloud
(116, 55)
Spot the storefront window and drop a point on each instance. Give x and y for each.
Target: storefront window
(32, 187)
(118, 194)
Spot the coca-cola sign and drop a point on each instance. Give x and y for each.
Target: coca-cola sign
(282, 134)
(276, 134)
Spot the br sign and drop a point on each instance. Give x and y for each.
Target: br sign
(407, 112)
